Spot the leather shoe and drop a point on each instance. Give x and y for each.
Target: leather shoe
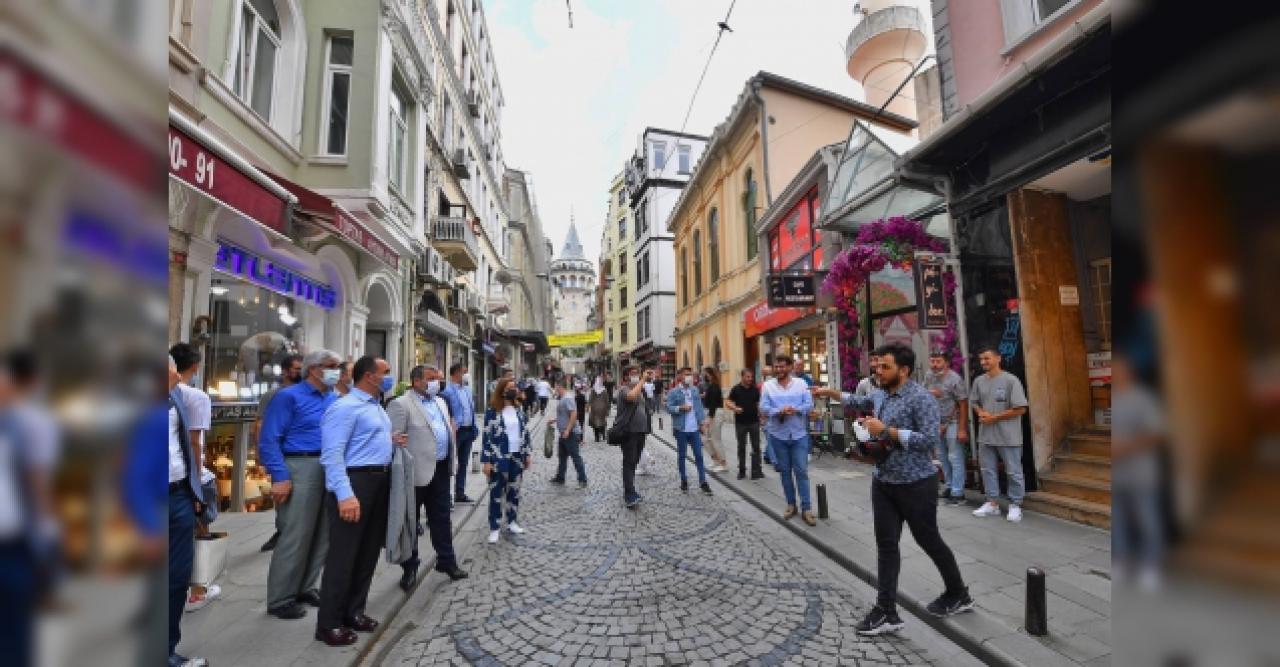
(462, 498)
(361, 623)
(311, 597)
(290, 611)
(408, 579)
(337, 636)
(455, 573)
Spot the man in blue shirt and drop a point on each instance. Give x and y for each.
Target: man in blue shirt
(689, 419)
(462, 405)
(289, 448)
(355, 450)
(904, 485)
(785, 405)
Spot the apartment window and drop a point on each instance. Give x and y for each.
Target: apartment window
(1024, 16)
(622, 298)
(337, 95)
(697, 263)
(683, 156)
(622, 265)
(622, 331)
(642, 324)
(610, 334)
(642, 269)
(713, 244)
(257, 48)
(659, 155)
(622, 226)
(642, 220)
(397, 153)
(684, 277)
(622, 197)
(749, 213)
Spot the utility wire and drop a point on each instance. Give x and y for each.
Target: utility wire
(724, 27)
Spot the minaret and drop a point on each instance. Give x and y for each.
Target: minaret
(886, 43)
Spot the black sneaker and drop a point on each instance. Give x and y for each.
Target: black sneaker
(557, 480)
(878, 621)
(633, 499)
(288, 611)
(706, 488)
(462, 498)
(955, 500)
(949, 604)
(742, 474)
(684, 485)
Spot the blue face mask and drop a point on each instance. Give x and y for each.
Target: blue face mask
(388, 382)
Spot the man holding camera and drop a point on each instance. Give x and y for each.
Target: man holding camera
(904, 487)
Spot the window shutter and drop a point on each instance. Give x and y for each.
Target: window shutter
(1018, 19)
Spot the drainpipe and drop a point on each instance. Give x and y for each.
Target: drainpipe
(764, 139)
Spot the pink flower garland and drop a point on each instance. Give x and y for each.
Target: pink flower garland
(881, 244)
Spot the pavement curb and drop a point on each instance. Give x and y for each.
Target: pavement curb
(984, 652)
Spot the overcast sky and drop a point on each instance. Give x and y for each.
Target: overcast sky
(577, 99)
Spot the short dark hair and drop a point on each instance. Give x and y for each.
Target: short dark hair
(938, 354)
(627, 370)
(23, 366)
(989, 348)
(364, 366)
(711, 370)
(902, 355)
(185, 355)
(686, 369)
(292, 359)
(453, 370)
(417, 372)
(782, 359)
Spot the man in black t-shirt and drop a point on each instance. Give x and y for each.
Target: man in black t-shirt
(744, 402)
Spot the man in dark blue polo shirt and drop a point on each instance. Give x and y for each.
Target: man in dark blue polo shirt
(289, 447)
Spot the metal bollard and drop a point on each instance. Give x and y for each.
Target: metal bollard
(1037, 619)
(822, 501)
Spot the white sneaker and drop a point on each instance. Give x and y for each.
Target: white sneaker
(987, 509)
(212, 592)
(493, 536)
(515, 528)
(1015, 513)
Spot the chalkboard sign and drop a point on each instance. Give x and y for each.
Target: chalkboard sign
(789, 290)
(931, 299)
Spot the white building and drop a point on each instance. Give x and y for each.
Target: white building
(574, 281)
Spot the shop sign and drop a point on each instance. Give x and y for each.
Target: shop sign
(234, 412)
(762, 317)
(931, 300)
(441, 324)
(791, 290)
(572, 339)
(205, 171)
(265, 273)
(347, 226)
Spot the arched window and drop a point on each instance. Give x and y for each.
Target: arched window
(697, 262)
(713, 244)
(699, 357)
(686, 358)
(749, 212)
(715, 353)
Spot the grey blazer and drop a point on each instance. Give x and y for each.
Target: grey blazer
(408, 416)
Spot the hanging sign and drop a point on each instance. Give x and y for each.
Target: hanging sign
(791, 290)
(931, 300)
(572, 339)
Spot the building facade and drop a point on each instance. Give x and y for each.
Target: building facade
(616, 284)
(528, 277)
(573, 279)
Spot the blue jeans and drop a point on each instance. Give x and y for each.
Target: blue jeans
(466, 436)
(18, 591)
(683, 442)
(792, 457)
(1136, 513)
(182, 553)
(953, 461)
(1011, 456)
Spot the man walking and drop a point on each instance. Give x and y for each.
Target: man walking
(462, 406)
(289, 448)
(570, 429)
(744, 403)
(688, 420)
(356, 446)
(999, 401)
(186, 501)
(713, 401)
(947, 388)
(543, 389)
(291, 374)
(633, 411)
(903, 488)
(785, 404)
(423, 416)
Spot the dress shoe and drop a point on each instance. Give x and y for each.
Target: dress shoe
(408, 579)
(742, 474)
(290, 611)
(337, 637)
(759, 474)
(455, 573)
(361, 623)
(311, 597)
(462, 498)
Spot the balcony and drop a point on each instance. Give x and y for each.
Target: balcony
(454, 239)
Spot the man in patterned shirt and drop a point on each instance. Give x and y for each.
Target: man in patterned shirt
(904, 485)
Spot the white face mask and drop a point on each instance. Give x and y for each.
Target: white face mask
(329, 376)
(466, 379)
(688, 380)
(433, 387)
(633, 379)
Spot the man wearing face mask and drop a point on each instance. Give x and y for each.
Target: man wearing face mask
(633, 411)
(462, 407)
(422, 414)
(289, 448)
(355, 451)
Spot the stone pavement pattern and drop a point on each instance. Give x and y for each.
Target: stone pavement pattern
(683, 579)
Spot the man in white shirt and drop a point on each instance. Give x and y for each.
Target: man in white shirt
(543, 389)
(199, 412)
(185, 503)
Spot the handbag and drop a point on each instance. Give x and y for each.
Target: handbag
(210, 558)
(549, 441)
(620, 430)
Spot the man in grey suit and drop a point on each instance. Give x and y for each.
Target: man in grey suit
(423, 415)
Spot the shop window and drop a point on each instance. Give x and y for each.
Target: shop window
(713, 244)
(257, 49)
(337, 94)
(749, 213)
(253, 330)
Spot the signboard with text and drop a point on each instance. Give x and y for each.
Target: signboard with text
(206, 172)
(931, 300)
(762, 317)
(791, 290)
(573, 339)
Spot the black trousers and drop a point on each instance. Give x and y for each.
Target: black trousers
(742, 431)
(182, 552)
(916, 504)
(434, 498)
(631, 450)
(353, 549)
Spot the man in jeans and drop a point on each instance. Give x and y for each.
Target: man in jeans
(463, 408)
(999, 401)
(947, 388)
(570, 429)
(903, 487)
(785, 405)
(633, 410)
(688, 420)
(744, 403)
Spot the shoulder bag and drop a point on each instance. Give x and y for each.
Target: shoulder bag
(621, 429)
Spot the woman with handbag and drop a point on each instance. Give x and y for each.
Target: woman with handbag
(507, 453)
(599, 403)
(631, 428)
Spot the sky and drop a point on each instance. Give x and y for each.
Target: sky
(578, 99)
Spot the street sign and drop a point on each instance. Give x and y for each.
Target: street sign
(572, 339)
(931, 299)
(791, 290)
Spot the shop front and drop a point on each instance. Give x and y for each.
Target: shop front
(434, 335)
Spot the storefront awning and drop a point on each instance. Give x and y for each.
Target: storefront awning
(866, 188)
(537, 338)
(331, 215)
(760, 318)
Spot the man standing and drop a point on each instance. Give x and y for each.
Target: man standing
(186, 501)
(344, 379)
(713, 401)
(633, 410)
(199, 413)
(744, 403)
(462, 405)
(902, 486)
(570, 429)
(543, 389)
(785, 404)
(688, 420)
(291, 374)
(289, 448)
(869, 384)
(766, 374)
(423, 416)
(355, 451)
(999, 401)
(947, 388)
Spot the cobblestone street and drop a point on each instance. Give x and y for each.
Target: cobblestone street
(683, 579)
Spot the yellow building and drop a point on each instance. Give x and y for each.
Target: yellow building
(619, 314)
(772, 131)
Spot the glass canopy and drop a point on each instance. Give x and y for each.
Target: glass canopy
(865, 188)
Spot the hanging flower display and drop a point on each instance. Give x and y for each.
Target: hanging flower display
(882, 244)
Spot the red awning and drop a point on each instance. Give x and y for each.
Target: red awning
(760, 318)
(340, 221)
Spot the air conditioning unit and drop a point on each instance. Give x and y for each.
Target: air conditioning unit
(459, 164)
(473, 104)
(432, 265)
